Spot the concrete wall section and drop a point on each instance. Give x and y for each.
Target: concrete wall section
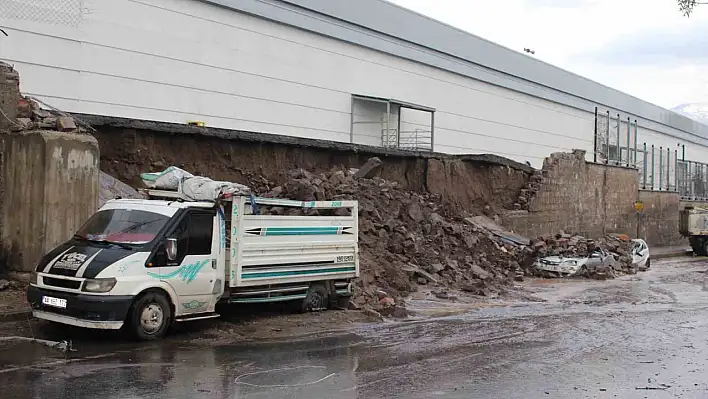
(579, 197)
(241, 71)
(659, 220)
(51, 188)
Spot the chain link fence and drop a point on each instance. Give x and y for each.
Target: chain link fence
(58, 12)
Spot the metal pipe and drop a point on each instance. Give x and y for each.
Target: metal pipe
(646, 161)
(629, 138)
(594, 143)
(619, 147)
(652, 166)
(607, 139)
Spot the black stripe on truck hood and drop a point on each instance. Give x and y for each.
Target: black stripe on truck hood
(73, 257)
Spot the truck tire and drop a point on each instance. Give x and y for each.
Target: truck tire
(151, 316)
(317, 298)
(698, 245)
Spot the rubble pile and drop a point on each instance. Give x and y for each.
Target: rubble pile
(573, 245)
(31, 116)
(407, 239)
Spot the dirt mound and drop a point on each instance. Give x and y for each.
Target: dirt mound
(407, 238)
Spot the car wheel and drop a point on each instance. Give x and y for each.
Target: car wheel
(648, 263)
(316, 298)
(151, 316)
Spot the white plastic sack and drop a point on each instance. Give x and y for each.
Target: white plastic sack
(204, 189)
(169, 179)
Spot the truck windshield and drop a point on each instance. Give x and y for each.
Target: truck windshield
(124, 226)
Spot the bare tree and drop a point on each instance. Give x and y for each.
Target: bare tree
(687, 6)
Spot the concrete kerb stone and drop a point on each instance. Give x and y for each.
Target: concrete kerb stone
(678, 254)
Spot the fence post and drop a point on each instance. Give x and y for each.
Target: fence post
(646, 163)
(636, 135)
(629, 138)
(661, 167)
(607, 140)
(668, 169)
(619, 146)
(676, 173)
(652, 166)
(594, 143)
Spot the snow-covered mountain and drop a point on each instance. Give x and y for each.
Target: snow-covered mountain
(695, 111)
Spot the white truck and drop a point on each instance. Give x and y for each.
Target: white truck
(142, 264)
(693, 223)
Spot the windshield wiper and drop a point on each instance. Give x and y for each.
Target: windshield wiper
(120, 244)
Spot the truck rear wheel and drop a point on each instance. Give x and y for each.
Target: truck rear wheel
(151, 316)
(317, 298)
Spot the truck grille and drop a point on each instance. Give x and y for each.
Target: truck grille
(62, 283)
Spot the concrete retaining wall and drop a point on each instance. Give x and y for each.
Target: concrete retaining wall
(50, 189)
(579, 197)
(659, 221)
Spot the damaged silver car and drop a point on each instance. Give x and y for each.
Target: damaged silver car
(576, 266)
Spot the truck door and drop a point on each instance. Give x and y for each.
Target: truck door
(193, 272)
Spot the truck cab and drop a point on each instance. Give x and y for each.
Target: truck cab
(143, 264)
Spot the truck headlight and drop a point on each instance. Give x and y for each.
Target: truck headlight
(33, 278)
(99, 284)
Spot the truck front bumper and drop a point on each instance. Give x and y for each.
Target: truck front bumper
(106, 312)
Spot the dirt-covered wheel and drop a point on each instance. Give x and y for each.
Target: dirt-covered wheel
(317, 298)
(648, 263)
(150, 316)
(698, 245)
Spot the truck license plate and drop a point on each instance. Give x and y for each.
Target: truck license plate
(56, 302)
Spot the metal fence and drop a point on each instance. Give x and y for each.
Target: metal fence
(660, 169)
(615, 139)
(59, 12)
(693, 180)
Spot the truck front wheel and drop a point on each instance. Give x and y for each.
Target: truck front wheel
(151, 316)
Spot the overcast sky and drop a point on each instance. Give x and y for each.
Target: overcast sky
(646, 48)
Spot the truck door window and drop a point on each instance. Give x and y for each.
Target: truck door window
(200, 229)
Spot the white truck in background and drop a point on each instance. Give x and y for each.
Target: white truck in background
(693, 223)
(143, 264)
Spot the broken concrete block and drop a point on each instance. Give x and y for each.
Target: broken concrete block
(369, 169)
(65, 124)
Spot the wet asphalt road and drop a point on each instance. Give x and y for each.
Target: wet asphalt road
(639, 336)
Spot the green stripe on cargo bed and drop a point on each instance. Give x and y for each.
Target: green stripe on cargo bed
(298, 272)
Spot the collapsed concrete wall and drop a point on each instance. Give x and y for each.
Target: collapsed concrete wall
(50, 189)
(129, 148)
(579, 197)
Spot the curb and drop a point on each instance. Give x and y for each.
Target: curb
(19, 315)
(677, 254)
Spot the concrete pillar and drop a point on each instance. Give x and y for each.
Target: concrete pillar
(50, 189)
(9, 96)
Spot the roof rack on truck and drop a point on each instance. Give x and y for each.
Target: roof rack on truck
(175, 195)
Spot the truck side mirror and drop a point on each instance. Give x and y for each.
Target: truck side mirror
(171, 248)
